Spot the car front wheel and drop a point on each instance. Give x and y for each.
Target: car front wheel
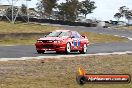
(68, 48)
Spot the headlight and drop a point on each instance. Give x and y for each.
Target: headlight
(57, 41)
(39, 41)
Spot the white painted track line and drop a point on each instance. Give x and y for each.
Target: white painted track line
(62, 56)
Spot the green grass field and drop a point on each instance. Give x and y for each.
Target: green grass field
(104, 38)
(123, 28)
(93, 38)
(6, 27)
(36, 28)
(61, 73)
(17, 41)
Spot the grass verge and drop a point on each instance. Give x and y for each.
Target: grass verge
(24, 28)
(36, 28)
(103, 38)
(17, 42)
(123, 28)
(61, 73)
(93, 38)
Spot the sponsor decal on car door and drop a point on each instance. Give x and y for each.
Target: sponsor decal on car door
(76, 43)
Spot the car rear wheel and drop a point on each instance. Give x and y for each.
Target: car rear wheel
(84, 49)
(68, 48)
(40, 51)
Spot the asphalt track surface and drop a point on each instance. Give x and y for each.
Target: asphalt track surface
(29, 50)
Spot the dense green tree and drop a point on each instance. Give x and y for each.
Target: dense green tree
(128, 15)
(9, 11)
(24, 9)
(48, 6)
(87, 7)
(69, 10)
(72, 8)
(118, 16)
(40, 9)
(124, 12)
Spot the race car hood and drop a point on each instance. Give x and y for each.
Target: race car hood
(53, 38)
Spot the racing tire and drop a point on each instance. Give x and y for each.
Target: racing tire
(40, 51)
(68, 48)
(84, 49)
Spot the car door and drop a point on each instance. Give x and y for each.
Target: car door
(76, 43)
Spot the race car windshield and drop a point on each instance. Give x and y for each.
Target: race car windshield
(57, 34)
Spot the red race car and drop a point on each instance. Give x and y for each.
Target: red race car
(62, 41)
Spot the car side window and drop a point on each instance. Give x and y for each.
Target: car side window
(76, 34)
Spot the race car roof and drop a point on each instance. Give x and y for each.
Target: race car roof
(62, 30)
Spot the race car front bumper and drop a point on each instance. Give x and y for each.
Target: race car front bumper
(50, 46)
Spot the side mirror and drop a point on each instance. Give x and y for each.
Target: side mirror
(45, 35)
(72, 36)
(84, 36)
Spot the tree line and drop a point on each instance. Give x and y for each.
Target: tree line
(68, 10)
(124, 12)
